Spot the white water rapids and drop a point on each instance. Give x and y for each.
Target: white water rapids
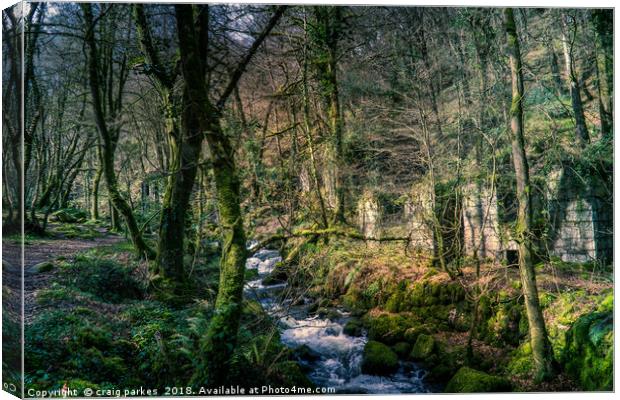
(336, 358)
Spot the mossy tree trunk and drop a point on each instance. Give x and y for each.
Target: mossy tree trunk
(109, 135)
(326, 36)
(542, 353)
(314, 171)
(185, 143)
(603, 26)
(201, 116)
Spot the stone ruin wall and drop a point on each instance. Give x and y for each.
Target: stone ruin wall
(481, 227)
(580, 222)
(418, 218)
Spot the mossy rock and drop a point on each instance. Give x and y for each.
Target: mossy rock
(423, 348)
(588, 353)
(402, 350)
(305, 353)
(353, 327)
(504, 327)
(395, 302)
(411, 334)
(251, 274)
(387, 328)
(445, 362)
(379, 359)
(64, 216)
(520, 363)
(279, 274)
(45, 266)
(468, 380)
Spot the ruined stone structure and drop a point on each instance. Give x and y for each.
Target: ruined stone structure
(369, 214)
(417, 214)
(481, 228)
(580, 216)
(574, 220)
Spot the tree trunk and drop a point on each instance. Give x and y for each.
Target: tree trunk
(109, 140)
(603, 25)
(183, 164)
(307, 130)
(542, 353)
(200, 115)
(185, 146)
(94, 206)
(327, 37)
(573, 81)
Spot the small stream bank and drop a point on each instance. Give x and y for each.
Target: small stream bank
(333, 358)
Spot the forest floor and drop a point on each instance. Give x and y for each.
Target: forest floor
(57, 245)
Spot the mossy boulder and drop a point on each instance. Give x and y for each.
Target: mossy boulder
(353, 327)
(305, 353)
(70, 215)
(430, 293)
(423, 348)
(504, 327)
(402, 349)
(468, 380)
(411, 334)
(278, 275)
(387, 328)
(379, 359)
(41, 267)
(588, 354)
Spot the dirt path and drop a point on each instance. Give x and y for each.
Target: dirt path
(37, 252)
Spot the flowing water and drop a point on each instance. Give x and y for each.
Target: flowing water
(334, 359)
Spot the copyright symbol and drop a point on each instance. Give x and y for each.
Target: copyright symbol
(88, 392)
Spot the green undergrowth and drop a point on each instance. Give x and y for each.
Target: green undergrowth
(76, 231)
(422, 315)
(99, 326)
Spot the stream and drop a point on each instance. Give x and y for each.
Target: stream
(334, 359)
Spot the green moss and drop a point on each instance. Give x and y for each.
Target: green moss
(353, 327)
(70, 215)
(445, 362)
(394, 303)
(588, 354)
(423, 348)
(402, 349)
(379, 359)
(607, 304)
(278, 275)
(45, 266)
(251, 274)
(503, 326)
(411, 334)
(468, 380)
(387, 328)
(520, 363)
